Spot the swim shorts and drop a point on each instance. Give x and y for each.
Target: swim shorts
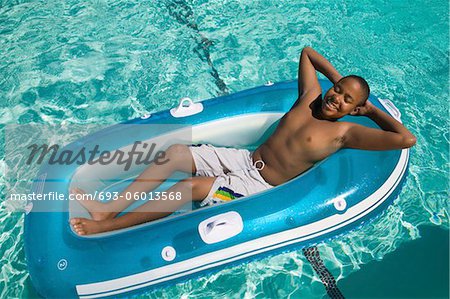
(237, 175)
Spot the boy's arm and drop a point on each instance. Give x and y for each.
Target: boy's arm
(310, 61)
(392, 136)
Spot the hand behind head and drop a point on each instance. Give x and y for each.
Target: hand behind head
(363, 110)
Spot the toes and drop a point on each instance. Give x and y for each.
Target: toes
(83, 226)
(76, 190)
(79, 190)
(80, 231)
(79, 226)
(76, 221)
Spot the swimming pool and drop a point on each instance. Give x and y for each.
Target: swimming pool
(105, 62)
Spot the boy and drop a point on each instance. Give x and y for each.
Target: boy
(308, 133)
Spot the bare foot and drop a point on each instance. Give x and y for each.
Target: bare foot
(83, 226)
(94, 207)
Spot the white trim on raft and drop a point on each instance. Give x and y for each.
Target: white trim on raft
(249, 248)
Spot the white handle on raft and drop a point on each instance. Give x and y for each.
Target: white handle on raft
(220, 227)
(182, 110)
(391, 108)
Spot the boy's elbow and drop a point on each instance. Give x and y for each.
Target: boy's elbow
(409, 141)
(305, 50)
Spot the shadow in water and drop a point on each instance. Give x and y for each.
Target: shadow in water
(418, 269)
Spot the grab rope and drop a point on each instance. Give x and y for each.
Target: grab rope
(313, 256)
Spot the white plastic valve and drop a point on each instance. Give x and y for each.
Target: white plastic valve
(340, 204)
(168, 253)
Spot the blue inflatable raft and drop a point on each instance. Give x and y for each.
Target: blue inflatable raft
(336, 195)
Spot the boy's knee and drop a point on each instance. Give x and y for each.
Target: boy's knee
(193, 184)
(177, 152)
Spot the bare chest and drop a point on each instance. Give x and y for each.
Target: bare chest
(310, 139)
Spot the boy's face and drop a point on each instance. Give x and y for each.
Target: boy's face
(342, 98)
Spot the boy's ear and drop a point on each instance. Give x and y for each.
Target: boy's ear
(355, 111)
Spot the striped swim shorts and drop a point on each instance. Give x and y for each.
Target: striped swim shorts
(237, 175)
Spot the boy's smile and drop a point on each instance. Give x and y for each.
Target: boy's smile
(342, 98)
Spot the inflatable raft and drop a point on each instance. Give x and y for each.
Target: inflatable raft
(336, 195)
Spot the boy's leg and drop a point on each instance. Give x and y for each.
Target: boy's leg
(196, 189)
(179, 159)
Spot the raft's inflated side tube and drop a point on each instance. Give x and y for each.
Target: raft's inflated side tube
(338, 194)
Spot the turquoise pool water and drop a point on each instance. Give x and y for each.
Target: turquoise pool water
(87, 62)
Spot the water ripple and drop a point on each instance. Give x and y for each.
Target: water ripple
(103, 62)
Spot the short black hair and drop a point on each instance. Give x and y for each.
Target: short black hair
(364, 85)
